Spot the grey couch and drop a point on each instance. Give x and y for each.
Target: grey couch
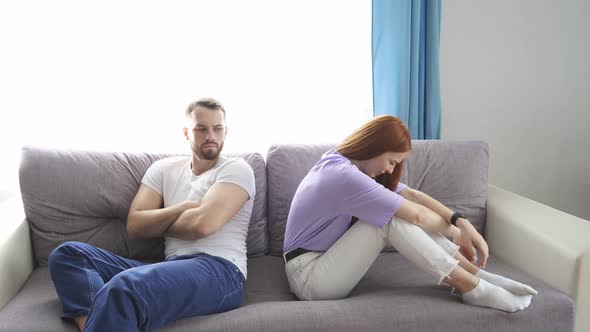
(85, 196)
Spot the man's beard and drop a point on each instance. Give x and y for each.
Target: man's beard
(210, 153)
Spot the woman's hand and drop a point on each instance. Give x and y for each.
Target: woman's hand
(470, 242)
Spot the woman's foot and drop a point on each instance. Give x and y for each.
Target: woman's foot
(506, 283)
(492, 296)
(498, 280)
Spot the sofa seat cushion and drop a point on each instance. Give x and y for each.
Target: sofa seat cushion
(393, 295)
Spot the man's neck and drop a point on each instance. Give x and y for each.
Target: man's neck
(200, 166)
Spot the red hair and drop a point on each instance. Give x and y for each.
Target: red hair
(382, 134)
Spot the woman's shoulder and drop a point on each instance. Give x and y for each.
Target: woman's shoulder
(332, 162)
(335, 169)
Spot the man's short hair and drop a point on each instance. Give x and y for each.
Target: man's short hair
(208, 103)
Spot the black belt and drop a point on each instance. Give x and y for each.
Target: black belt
(296, 252)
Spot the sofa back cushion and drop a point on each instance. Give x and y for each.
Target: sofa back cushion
(453, 172)
(85, 196)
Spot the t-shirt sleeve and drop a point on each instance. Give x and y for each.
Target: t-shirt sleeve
(366, 199)
(400, 187)
(154, 177)
(240, 173)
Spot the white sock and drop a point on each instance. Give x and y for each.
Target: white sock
(488, 295)
(506, 283)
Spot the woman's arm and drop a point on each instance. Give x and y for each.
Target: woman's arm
(468, 237)
(423, 199)
(426, 219)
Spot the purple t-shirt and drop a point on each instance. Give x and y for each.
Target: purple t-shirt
(329, 196)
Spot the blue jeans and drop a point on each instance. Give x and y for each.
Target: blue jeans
(120, 294)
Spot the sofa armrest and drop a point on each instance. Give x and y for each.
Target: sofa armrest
(16, 254)
(547, 243)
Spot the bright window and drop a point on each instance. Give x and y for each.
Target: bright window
(118, 75)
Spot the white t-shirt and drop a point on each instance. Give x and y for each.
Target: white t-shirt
(174, 180)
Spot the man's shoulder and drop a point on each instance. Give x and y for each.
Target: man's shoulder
(171, 161)
(236, 170)
(234, 164)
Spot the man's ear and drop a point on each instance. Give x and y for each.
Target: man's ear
(185, 131)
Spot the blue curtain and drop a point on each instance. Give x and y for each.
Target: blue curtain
(406, 80)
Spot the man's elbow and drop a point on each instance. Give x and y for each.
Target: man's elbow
(133, 231)
(131, 235)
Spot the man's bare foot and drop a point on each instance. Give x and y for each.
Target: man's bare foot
(81, 322)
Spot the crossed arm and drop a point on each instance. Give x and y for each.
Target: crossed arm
(429, 214)
(187, 220)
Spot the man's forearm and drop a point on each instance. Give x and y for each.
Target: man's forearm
(153, 223)
(186, 225)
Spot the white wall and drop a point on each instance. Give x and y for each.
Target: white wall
(117, 75)
(517, 75)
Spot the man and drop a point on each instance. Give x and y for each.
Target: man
(207, 202)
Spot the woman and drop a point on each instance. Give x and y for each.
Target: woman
(327, 251)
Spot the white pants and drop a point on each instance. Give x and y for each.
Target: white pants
(333, 274)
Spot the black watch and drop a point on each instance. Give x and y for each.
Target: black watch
(456, 216)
